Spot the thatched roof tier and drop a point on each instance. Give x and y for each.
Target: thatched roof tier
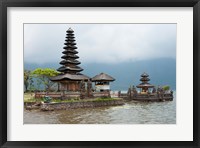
(67, 68)
(70, 47)
(70, 51)
(64, 62)
(144, 75)
(69, 64)
(70, 30)
(144, 79)
(70, 37)
(67, 76)
(70, 40)
(70, 33)
(67, 56)
(69, 43)
(102, 77)
(142, 85)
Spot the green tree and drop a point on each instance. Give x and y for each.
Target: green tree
(166, 87)
(31, 84)
(44, 76)
(27, 76)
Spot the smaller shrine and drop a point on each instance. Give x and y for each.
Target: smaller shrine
(102, 82)
(148, 92)
(145, 86)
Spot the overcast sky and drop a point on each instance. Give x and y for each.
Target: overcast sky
(100, 43)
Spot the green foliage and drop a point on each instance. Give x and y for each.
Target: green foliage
(46, 72)
(31, 84)
(43, 76)
(26, 74)
(166, 87)
(29, 97)
(27, 79)
(33, 100)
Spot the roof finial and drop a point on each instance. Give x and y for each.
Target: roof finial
(70, 29)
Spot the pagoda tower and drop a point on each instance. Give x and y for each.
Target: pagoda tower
(70, 77)
(70, 62)
(145, 85)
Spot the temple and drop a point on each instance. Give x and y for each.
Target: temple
(73, 84)
(70, 78)
(148, 92)
(145, 86)
(102, 81)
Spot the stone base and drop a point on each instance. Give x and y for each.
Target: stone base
(74, 105)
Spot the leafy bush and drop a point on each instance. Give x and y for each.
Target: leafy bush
(166, 87)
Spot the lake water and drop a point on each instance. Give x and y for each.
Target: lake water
(130, 113)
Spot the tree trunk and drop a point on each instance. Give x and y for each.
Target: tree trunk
(26, 87)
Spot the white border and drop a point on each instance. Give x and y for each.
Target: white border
(182, 131)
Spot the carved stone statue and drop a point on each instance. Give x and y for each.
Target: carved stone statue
(82, 90)
(89, 89)
(154, 90)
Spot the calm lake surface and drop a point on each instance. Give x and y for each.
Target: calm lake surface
(130, 113)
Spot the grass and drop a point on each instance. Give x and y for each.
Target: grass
(29, 97)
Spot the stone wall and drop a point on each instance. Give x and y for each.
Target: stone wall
(74, 105)
(51, 94)
(68, 95)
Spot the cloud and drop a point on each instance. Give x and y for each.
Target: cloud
(100, 43)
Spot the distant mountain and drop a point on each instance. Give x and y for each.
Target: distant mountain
(32, 66)
(161, 72)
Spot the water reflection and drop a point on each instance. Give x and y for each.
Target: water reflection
(130, 113)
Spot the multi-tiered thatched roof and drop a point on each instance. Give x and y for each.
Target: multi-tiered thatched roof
(70, 69)
(145, 80)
